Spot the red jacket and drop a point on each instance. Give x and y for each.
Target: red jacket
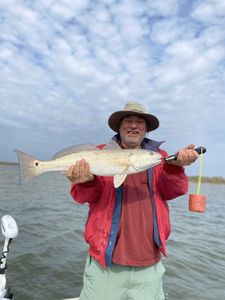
(168, 182)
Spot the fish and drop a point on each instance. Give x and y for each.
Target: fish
(109, 161)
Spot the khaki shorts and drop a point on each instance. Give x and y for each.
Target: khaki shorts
(122, 282)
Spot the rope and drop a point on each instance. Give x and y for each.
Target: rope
(200, 173)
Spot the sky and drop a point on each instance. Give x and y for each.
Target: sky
(65, 66)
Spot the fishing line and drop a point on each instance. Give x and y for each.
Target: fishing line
(200, 172)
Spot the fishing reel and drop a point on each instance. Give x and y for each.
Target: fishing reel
(9, 231)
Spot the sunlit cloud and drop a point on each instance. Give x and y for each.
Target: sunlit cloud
(66, 66)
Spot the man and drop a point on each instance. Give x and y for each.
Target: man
(127, 227)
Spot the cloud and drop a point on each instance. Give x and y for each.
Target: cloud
(66, 66)
(209, 12)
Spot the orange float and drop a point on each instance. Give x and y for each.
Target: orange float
(197, 203)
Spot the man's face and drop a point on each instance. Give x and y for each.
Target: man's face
(132, 131)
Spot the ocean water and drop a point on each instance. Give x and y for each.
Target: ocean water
(46, 260)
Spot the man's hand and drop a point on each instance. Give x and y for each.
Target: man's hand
(185, 156)
(80, 172)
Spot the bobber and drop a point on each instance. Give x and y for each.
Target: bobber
(197, 202)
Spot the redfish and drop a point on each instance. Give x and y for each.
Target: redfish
(109, 161)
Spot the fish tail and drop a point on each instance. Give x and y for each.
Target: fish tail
(28, 167)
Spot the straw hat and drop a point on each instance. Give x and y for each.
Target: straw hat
(133, 108)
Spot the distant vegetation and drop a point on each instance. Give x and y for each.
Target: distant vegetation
(8, 163)
(216, 180)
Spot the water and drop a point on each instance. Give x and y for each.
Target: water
(47, 258)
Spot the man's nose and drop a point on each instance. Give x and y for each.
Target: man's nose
(133, 124)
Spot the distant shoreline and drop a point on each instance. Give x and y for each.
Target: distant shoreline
(204, 179)
(6, 163)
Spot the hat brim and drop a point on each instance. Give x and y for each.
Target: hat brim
(116, 118)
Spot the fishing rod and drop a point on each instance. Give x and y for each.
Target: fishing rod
(199, 150)
(9, 231)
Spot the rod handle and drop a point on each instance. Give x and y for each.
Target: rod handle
(200, 150)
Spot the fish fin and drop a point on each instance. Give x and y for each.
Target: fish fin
(119, 179)
(112, 146)
(74, 149)
(28, 169)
